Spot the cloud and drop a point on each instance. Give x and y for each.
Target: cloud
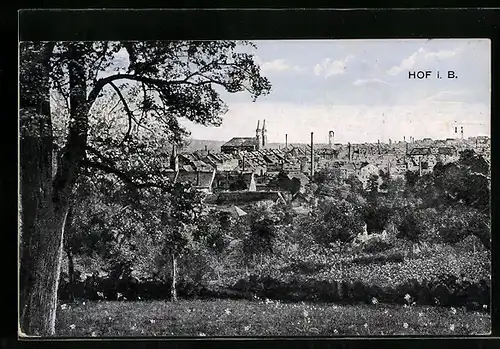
(447, 96)
(421, 56)
(362, 82)
(331, 68)
(279, 65)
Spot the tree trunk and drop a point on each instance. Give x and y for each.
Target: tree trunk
(42, 222)
(173, 288)
(69, 253)
(71, 275)
(45, 202)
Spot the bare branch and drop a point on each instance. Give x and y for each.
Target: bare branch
(147, 80)
(127, 109)
(122, 175)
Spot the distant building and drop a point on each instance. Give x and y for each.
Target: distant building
(238, 144)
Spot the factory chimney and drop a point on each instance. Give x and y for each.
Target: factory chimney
(331, 136)
(286, 140)
(350, 151)
(312, 155)
(264, 135)
(462, 131)
(378, 146)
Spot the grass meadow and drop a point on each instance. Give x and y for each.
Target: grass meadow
(218, 318)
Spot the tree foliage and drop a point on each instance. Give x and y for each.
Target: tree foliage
(154, 84)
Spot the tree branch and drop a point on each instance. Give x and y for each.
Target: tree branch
(127, 109)
(151, 81)
(122, 176)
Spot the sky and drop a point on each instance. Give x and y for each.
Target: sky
(361, 90)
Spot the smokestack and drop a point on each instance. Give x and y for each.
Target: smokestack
(404, 139)
(286, 140)
(312, 154)
(378, 145)
(350, 151)
(206, 148)
(462, 131)
(331, 136)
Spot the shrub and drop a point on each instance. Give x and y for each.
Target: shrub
(396, 257)
(376, 245)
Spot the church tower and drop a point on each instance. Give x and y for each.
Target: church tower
(264, 134)
(258, 135)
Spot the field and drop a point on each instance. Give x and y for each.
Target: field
(262, 318)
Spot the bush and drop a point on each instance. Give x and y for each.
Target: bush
(376, 245)
(396, 257)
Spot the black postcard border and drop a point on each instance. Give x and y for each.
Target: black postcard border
(231, 23)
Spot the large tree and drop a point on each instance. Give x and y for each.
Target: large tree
(156, 82)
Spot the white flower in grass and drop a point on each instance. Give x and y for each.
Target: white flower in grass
(63, 306)
(407, 297)
(305, 313)
(420, 314)
(452, 327)
(374, 300)
(485, 306)
(201, 334)
(405, 325)
(365, 325)
(72, 326)
(227, 311)
(100, 294)
(152, 321)
(453, 310)
(83, 303)
(335, 331)
(246, 328)
(93, 334)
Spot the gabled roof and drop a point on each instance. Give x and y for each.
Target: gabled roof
(200, 179)
(420, 151)
(241, 142)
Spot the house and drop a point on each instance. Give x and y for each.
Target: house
(201, 180)
(221, 161)
(237, 144)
